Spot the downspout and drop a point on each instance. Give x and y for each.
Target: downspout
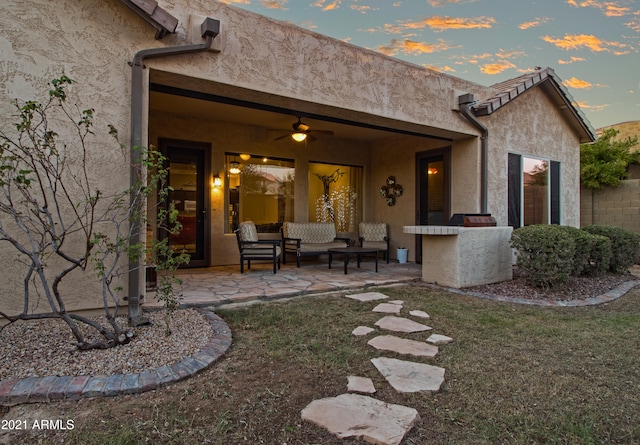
(209, 29)
(465, 101)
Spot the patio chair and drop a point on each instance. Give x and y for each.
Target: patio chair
(252, 248)
(374, 235)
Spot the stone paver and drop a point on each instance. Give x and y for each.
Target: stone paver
(407, 376)
(360, 384)
(362, 330)
(400, 324)
(401, 302)
(419, 314)
(362, 417)
(403, 346)
(368, 296)
(388, 308)
(438, 339)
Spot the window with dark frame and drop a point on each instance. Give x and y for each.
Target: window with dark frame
(534, 191)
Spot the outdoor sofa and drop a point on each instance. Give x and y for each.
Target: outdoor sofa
(311, 238)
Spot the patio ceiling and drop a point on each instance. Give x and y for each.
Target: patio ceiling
(196, 97)
(279, 122)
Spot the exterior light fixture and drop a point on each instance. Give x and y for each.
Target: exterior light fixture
(245, 156)
(217, 182)
(298, 136)
(235, 168)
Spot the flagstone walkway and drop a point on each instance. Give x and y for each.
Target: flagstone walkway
(363, 416)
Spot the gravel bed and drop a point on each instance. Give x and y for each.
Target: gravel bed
(577, 288)
(28, 348)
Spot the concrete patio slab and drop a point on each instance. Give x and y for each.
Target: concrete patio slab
(360, 384)
(400, 324)
(362, 417)
(403, 346)
(408, 377)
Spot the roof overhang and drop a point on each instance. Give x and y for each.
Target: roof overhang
(160, 19)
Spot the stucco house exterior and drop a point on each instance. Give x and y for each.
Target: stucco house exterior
(452, 145)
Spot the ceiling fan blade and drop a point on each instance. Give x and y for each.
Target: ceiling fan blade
(281, 137)
(327, 132)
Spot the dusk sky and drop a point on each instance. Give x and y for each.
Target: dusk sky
(592, 45)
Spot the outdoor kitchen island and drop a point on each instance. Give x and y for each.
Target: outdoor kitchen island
(464, 256)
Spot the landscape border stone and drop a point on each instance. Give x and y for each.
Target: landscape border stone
(43, 389)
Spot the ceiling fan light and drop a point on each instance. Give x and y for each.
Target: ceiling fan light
(245, 156)
(235, 168)
(299, 137)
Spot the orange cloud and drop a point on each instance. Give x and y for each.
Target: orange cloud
(363, 9)
(440, 3)
(441, 23)
(274, 4)
(608, 8)
(439, 69)
(578, 83)
(502, 54)
(473, 59)
(586, 106)
(534, 23)
(412, 47)
(573, 59)
(496, 68)
(335, 4)
(588, 41)
(634, 25)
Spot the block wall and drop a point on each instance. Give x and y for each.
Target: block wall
(614, 206)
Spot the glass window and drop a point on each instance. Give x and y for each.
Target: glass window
(259, 189)
(534, 191)
(535, 187)
(335, 195)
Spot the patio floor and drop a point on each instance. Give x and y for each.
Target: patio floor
(215, 286)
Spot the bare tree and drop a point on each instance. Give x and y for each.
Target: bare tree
(59, 222)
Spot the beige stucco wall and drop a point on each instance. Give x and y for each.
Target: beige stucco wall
(531, 126)
(263, 60)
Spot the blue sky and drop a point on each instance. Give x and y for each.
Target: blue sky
(593, 45)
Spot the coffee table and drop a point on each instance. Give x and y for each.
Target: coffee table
(359, 252)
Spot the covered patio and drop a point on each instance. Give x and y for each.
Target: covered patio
(219, 285)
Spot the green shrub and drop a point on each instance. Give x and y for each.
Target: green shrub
(545, 254)
(592, 253)
(625, 246)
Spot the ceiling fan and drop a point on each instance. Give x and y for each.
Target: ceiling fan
(302, 131)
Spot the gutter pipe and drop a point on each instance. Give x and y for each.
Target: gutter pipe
(209, 29)
(465, 101)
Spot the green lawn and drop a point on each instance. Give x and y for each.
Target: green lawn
(514, 375)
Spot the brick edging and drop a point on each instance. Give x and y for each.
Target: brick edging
(608, 296)
(53, 388)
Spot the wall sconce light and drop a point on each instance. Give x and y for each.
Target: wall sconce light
(299, 137)
(432, 171)
(217, 182)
